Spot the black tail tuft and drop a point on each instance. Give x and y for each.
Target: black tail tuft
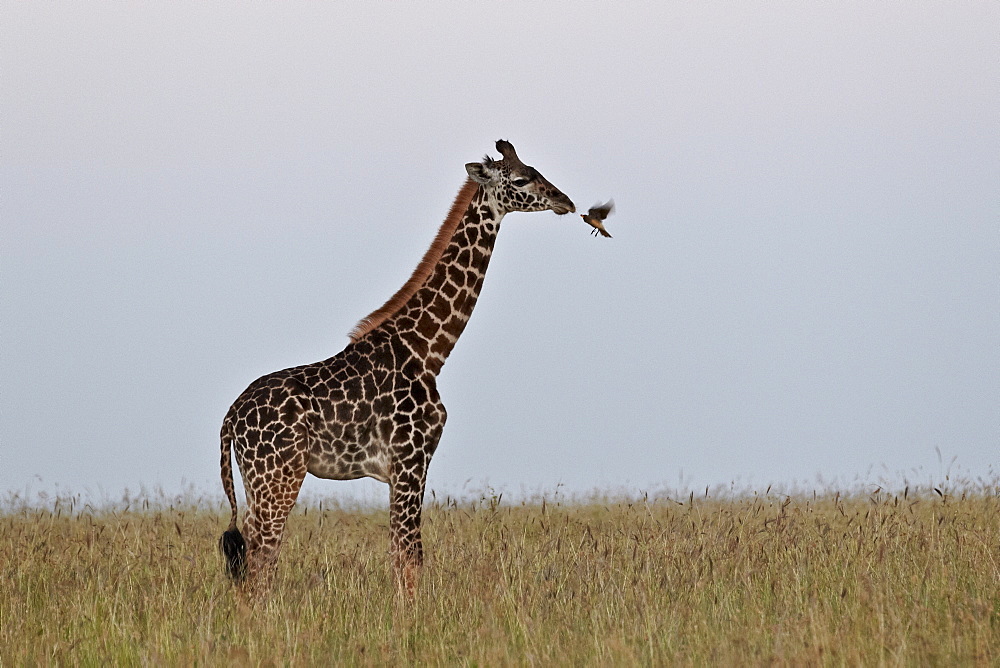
(235, 550)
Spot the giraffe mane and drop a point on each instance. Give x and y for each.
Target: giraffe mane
(424, 268)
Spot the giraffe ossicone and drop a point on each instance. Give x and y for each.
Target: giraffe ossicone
(373, 409)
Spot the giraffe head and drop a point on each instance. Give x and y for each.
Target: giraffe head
(516, 186)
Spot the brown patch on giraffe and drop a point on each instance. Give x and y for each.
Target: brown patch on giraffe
(456, 275)
(480, 259)
(441, 345)
(440, 308)
(426, 265)
(462, 300)
(417, 342)
(427, 327)
(455, 326)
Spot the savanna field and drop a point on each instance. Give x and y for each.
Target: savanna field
(869, 578)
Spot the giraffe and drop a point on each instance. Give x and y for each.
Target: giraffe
(372, 410)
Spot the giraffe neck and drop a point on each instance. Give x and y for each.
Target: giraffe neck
(433, 318)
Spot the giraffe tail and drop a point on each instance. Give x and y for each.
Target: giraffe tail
(233, 547)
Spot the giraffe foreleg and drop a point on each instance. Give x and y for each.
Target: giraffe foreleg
(413, 443)
(406, 496)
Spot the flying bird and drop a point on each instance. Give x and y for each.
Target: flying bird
(596, 215)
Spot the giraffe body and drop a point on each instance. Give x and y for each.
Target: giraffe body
(372, 410)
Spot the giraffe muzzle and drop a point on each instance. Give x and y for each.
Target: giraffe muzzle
(564, 206)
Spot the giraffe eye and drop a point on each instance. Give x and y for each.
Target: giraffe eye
(521, 182)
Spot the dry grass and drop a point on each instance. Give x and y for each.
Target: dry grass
(869, 579)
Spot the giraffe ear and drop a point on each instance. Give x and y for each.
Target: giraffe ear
(480, 173)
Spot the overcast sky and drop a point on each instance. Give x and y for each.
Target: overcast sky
(803, 284)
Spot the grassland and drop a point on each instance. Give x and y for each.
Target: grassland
(871, 579)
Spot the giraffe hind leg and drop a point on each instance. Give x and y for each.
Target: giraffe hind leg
(271, 495)
(265, 526)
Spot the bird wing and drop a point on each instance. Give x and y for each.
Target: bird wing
(601, 211)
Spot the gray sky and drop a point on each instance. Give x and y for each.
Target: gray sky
(804, 282)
